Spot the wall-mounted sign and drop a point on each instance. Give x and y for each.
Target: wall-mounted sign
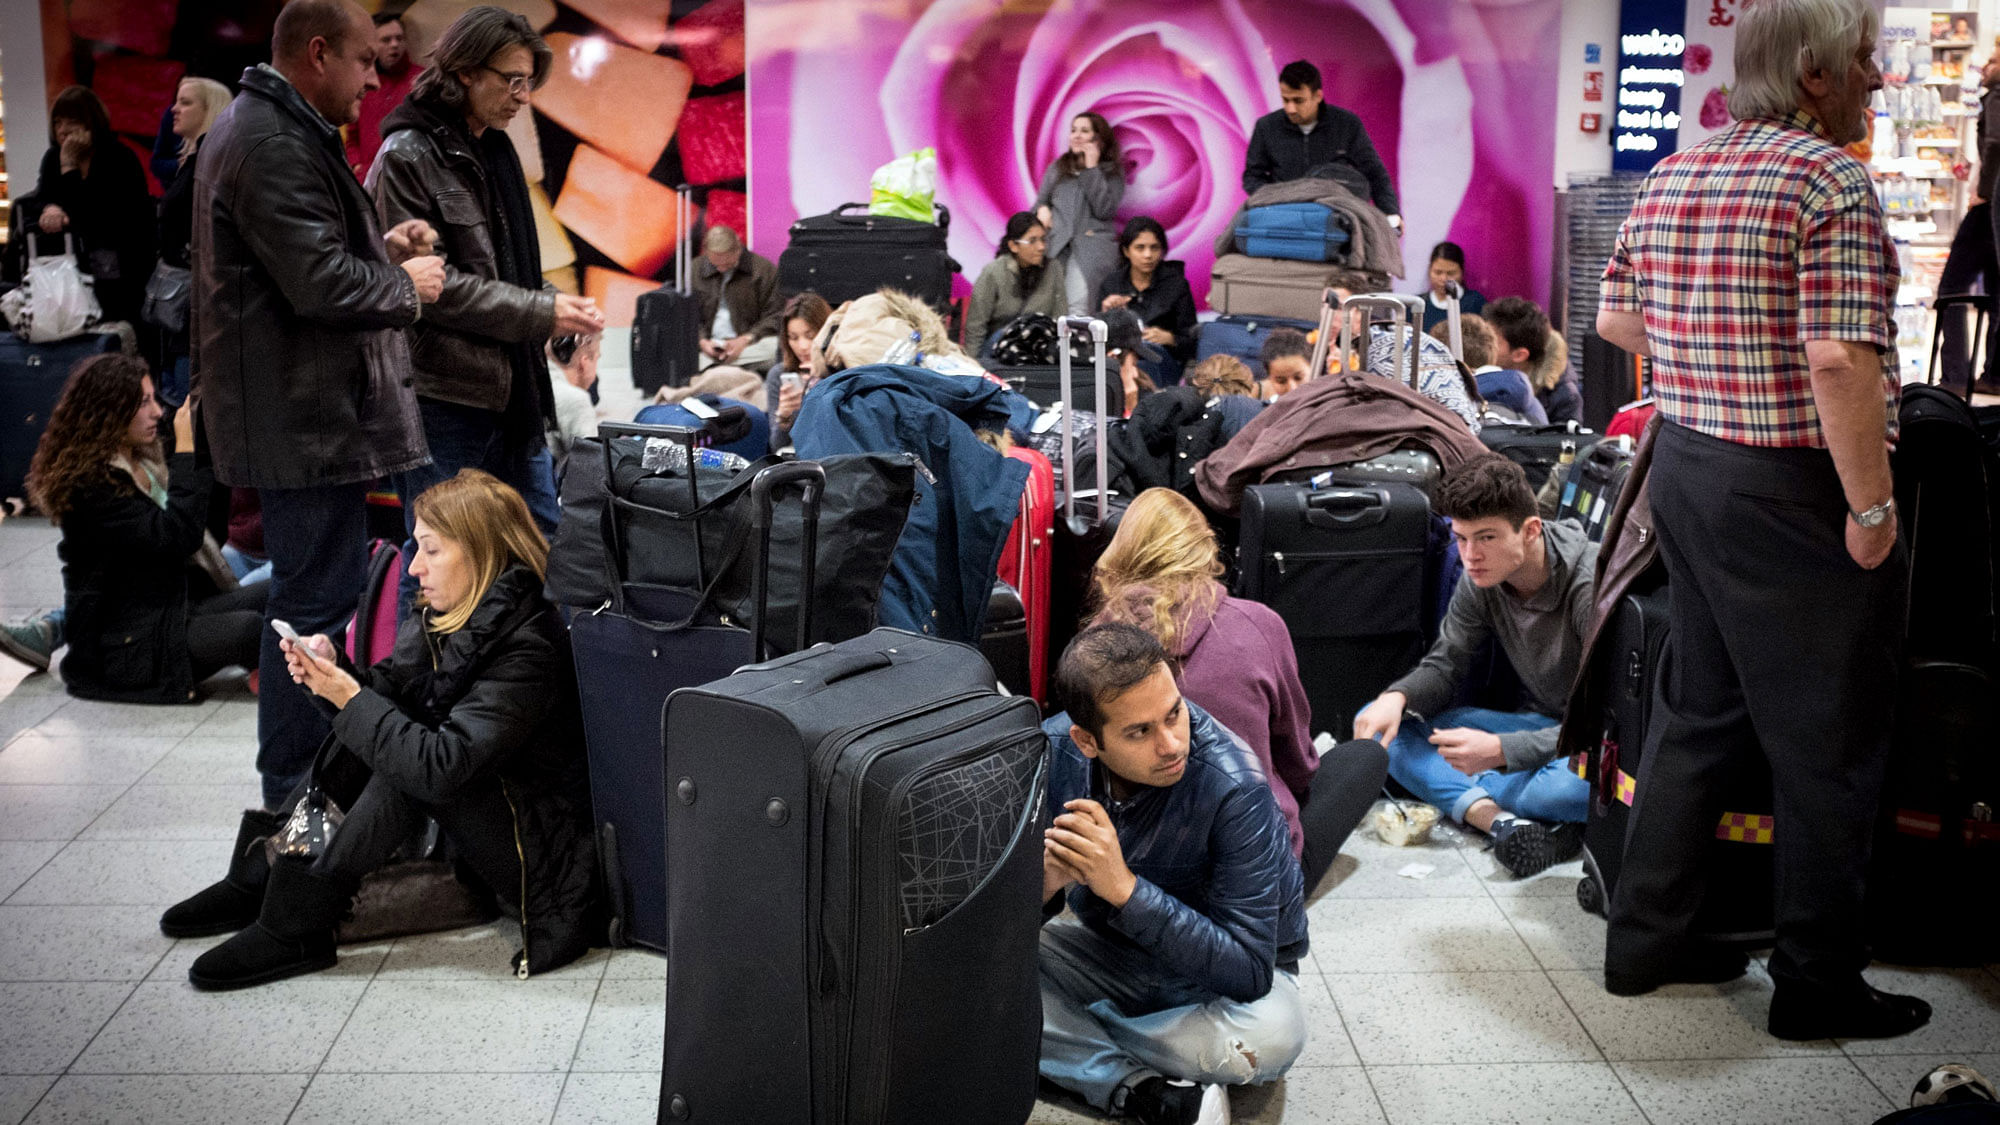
(1647, 117)
(1593, 54)
(1591, 122)
(1593, 85)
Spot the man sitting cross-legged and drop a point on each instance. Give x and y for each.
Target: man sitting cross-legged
(1178, 973)
(1527, 584)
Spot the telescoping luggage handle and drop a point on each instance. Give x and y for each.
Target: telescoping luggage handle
(1454, 328)
(1406, 313)
(1098, 333)
(683, 234)
(764, 486)
(1981, 305)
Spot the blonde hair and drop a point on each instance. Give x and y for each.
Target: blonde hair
(1555, 363)
(213, 97)
(488, 521)
(1160, 571)
(1223, 375)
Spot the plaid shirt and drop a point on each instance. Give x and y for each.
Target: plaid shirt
(1738, 251)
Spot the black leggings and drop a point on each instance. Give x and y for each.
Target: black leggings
(225, 630)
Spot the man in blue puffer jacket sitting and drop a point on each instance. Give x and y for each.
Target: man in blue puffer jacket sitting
(1179, 972)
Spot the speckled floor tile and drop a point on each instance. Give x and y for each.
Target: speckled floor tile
(1414, 1018)
(1534, 1094)
(1965, 1013)
(1327, 1041)
(635, 964)
(79, 942)
(44, 1026)
(1326, 1095)
(170, 1099)
(38, 759)
(609, 1099)
(1682, 1021)
(88, 717)
(19, 1093)
(169, 1028)
(21, 858)
(232, 717)
(476, 953)
(1803, 1091)
(435, 1099)
(627, 1028)
(52, 812)
(125, 873)
(21, 713)
(1417, 936)
(1896, 1075)
(1561, 934)
(460, 1026)
(1376, 867)
(207, 759)
(177, 812)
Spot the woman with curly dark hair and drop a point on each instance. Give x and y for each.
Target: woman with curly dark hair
(131, 521)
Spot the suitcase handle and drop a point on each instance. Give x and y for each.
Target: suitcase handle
(1347, 507)
(846, 665)
(810, 478)
(1981, 305)
(943, 215)
(1065, 327)
(1406, 316)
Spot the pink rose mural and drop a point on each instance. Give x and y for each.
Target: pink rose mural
(1456, 96)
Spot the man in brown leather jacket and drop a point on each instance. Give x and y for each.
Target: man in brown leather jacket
(481, 379)
(741, 308)
(301, 373)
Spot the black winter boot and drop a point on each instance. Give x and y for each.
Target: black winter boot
(232, 903)
(293, 934)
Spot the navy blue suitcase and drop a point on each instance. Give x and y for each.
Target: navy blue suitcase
(1301, 232)
(31, 379)
(1242, 337)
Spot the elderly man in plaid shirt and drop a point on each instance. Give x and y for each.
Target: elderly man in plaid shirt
(1756, 272)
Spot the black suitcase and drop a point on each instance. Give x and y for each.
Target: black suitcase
(666, 323)
(629, 657)
(1004, 641)
(1591, 488)
(1090, 509)
(1350, 569)
(854, 875)
(31, 379)
(1537, 449)
(842, 255)
(1736, 904)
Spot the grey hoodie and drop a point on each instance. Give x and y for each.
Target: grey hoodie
(1542, 637)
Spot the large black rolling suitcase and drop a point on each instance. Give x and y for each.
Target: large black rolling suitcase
(31, 379)
(630, 655)
(1736, 903)
(1594, 480)
(1537, 449)
(666, 323)
(854, 872)
(843, 255)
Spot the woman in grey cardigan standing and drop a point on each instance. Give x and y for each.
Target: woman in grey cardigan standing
(1078, 203)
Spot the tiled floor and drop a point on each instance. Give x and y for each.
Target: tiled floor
(1462, 995)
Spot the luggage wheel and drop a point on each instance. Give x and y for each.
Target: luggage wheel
(1590, 893)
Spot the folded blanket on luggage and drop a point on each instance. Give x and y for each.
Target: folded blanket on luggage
(1375, 245)
(1332, 420)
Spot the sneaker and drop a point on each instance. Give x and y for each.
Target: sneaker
(1529, 847)
(1173, 1101)
(31, 641)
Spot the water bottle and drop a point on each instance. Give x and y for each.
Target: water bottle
(904, 352)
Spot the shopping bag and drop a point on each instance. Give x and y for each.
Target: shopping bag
(906, 187)
(54, 301)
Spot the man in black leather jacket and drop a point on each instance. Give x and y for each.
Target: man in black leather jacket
(481, 377)
(301, 374)
(1179, 972)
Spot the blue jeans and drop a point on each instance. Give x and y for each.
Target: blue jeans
(466, 437)
(1112, 1018)
(318, 543)
(1552, 793)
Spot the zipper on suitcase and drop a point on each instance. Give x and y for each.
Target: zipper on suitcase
(1279, 557)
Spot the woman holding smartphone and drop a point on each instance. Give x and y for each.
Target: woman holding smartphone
(472, 721)
(785, 386)
(143, 624)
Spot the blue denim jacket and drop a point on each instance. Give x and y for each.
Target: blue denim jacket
(1220, 901)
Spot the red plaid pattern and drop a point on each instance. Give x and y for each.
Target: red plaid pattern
(1738, 251)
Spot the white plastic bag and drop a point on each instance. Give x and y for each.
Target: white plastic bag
(906, 187)
(54, 301)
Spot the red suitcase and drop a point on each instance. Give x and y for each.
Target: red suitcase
(1024, 565)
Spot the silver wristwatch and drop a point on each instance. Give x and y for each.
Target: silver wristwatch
(1875, 516)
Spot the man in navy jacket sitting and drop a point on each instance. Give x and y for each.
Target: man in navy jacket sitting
(1178, 973)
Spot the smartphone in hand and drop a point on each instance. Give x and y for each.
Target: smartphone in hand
(285, 630)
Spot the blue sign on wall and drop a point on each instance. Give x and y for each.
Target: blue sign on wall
(1646, 114)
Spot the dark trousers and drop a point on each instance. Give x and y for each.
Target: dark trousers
(476, 818)
(466, 437)
(1973, 257)
(317, 539)
(226, 630)
(1778, 645)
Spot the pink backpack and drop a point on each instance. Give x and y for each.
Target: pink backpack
(372, 632)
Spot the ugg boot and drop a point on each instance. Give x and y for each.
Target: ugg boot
(231, 904)
(293, 934)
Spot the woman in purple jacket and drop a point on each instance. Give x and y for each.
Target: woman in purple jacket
(1236, 662)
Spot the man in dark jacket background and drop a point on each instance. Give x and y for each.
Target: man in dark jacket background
(481, 378)
(301, 373)
(742, 311)
(1295, 142)
(1180, 966)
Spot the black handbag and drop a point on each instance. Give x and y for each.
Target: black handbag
(633, 515)
(167, 298)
